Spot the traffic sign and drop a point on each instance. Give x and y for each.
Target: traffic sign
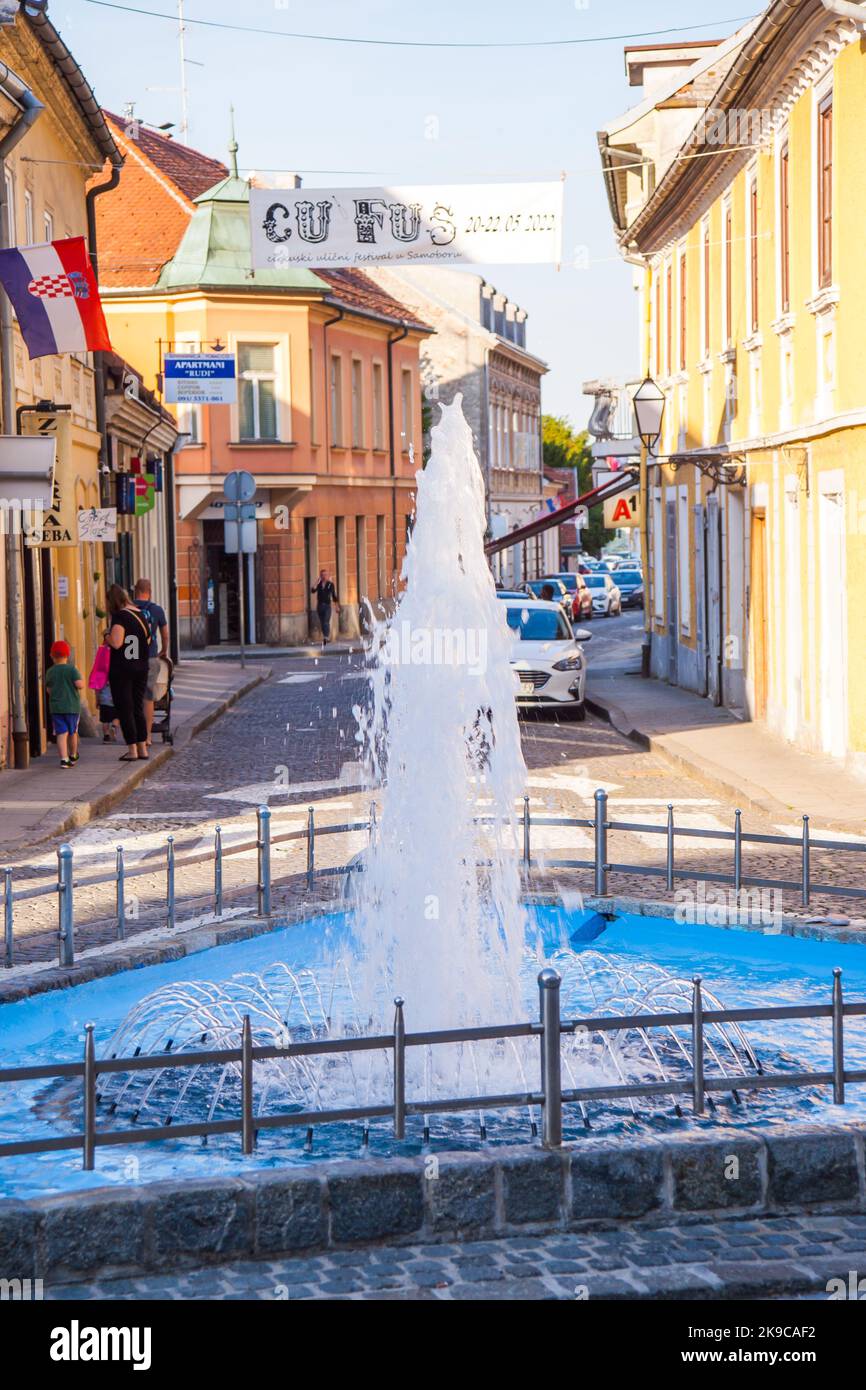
(241, 528)
(239, 486)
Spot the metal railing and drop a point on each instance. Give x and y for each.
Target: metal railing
(65, 884)
(550, 1097)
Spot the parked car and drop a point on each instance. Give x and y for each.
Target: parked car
(547, 658)
(510, 593)
(606, 597)
(560, 590)
(630, 585)
(580, 607)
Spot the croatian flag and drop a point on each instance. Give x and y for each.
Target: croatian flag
(53, 292)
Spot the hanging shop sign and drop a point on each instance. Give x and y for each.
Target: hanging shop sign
(97, 524)
(58, 526)
(145, 494)
(508, 224)
(200, 378)
(623, 511)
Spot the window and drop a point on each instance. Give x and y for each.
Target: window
(48, 225)
(336, 400)
(407, 415)
(729, 277)
(378, 406)
(669, 309)
(357, 403)
(684, 307)
(258, 390)
(314, 400)
(10, 207)
(659, 322)
(28, 218)
(784, 232)
(753, 256)
(707, 289)
(825, 193)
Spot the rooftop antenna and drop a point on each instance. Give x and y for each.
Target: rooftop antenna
(184, 105)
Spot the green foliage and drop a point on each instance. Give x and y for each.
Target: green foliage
(565, 447)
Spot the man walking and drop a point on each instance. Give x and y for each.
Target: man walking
(326, 594)
(155, 616)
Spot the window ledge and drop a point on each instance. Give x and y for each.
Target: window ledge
(262, 444)
(824, 300)
(783, 324)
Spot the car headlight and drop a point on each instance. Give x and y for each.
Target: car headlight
(569, 663)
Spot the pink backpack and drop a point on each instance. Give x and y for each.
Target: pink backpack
(99, 674)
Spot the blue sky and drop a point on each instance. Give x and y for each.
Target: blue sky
(350, 114)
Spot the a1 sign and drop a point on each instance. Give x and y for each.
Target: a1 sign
(623, 511)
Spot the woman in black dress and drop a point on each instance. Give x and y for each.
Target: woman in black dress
(129, 638)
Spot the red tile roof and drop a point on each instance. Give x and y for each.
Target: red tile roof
(356, 290)
(191, 172)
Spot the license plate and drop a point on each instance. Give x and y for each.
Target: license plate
(527, 688)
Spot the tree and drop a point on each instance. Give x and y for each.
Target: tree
(565, 447)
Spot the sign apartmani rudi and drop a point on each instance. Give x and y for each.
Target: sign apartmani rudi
(59, 526)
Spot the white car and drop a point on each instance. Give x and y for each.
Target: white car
(606, 597)
(548, 658)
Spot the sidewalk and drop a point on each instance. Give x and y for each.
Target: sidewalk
(342, 647)
(742, 762)
(46, 800)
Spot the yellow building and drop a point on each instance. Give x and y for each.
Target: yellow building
(46, 178)
(737, 191)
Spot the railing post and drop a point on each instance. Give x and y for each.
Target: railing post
(838, 1040)
(807, 885)
(399, 1070)
(311, 846)
(527, 844)
(670, 858)
(738, 853)
(601, 843)
(65, 905)
(264, 848)
(120, 876)
(551, 1059)
(7, 917)
(89, 1098)
(248, 1134)
(218, 871)
(698, 1047)
(169, 882)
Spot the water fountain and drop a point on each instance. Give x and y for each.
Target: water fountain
(438, 915)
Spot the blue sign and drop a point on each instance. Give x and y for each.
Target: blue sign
(200, 378)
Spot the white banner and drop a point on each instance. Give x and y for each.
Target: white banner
(97, 524)
(514, 223)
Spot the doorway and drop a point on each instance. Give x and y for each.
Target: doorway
(758, 614)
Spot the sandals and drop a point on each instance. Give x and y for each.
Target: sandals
(127, 759)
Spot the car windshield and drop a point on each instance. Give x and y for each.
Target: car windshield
(536, 586)
(538, 624)
(570, 582)
(595, 581)
(629, 577)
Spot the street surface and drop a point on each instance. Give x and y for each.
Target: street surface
(291, 744)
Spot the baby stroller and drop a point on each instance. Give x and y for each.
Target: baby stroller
(162, 700)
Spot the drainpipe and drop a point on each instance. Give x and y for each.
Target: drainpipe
(326, 404)
(98, 357)
(398, 338)
(171, 549)
(31, 109)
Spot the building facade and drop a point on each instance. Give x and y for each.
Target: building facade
(60, 588)
(737, 197)
(328, 413)
(479, 351)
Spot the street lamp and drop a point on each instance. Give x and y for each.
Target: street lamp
(649, 410)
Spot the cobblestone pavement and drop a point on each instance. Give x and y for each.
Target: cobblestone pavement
(291, 743)
(790, 1256)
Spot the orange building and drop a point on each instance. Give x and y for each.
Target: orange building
(328, 411)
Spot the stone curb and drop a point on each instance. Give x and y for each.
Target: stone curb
(745, 795)
(111, 1232)
(72, 816)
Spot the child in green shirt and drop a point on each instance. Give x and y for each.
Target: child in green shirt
(64, 684)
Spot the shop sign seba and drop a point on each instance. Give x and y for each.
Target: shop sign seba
(465, 223)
